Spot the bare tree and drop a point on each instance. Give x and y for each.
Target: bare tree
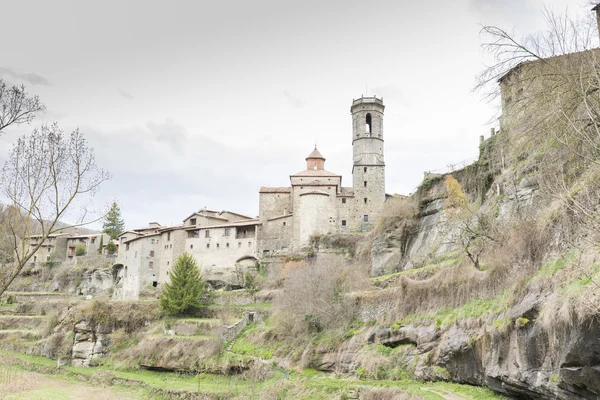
(17, 106)
(550, 97)
(47, 175)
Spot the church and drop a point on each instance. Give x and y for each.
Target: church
(316, 202)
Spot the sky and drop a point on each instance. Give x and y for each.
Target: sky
(192, 104)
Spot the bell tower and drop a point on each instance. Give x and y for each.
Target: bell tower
(368, 169)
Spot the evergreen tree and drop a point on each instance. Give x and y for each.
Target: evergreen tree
(101, 245)
(185, 291)
(113, 223)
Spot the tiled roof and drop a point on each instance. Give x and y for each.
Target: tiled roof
(275, 189)
(346, 192)
(248, 222)
(279, 217)
(314, 192)
(315, 154)
(315, 172)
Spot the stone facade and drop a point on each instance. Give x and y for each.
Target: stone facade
(316, 203)
(227, 245)
(223, 243)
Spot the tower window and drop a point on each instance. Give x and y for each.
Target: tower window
(368, 124)
(365, 183)
(315, 167)
(365, 169)
(283, 223)
(365, 218)
(207, 233)
(343, 222)
(208, 245)
(343, 201)
(366, 200)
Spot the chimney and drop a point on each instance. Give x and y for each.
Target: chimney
(597, 9)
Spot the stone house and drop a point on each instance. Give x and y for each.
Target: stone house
(227, 245)
(316, 202)
(224, 244)
(54, 244)
(91, 242)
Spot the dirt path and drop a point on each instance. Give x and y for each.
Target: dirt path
(443, 393)
(32, 385)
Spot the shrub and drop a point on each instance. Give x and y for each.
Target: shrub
(111, 247)
(184, 293)
(315, 296)
(80, 249)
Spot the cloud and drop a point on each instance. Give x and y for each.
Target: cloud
(390, 92)
(123, 93)
(160, 171)
(30, 77)
(294, 100)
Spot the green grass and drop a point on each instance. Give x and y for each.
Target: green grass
(475, 308)
(309, 384)
(417, 273)
(241, 345)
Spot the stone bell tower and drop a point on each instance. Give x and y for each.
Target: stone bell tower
(368, 169)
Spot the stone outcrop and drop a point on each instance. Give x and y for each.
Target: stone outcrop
(531, 361)
(88, 344)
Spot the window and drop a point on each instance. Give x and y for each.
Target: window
(315, 167)
(150, 264)
(171, 246)
(47, 258)
(207, 233)
(365, 169)
(135, 256)
(94, 240)
(48, 248)
(283, 225)
(239, 245)
(127, 247)
(191, 246)
(365, 218)
(365, 183)
(227, 245)
(151, 253)
(343, 201)
(249, 244)
(343, 222)
(34, 258)
(193, 221)
(218, 246)
(365, 200)
(154, 283)
(208, 245)
(167, 263)
(227, 231)
(152, 241)
(368, 124)
(168, 236)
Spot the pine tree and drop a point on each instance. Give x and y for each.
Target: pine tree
(101, 245)
(186, 289)
(113, 223)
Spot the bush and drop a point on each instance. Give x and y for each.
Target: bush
(80, 250)
(315, 296)
(111, 247)
(185, 291)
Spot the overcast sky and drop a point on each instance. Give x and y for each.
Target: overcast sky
(199, 103)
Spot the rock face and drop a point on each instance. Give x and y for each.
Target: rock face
(88, 345)
(530, 361)
(96, 281)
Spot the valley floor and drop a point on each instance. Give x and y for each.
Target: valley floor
(30, 377)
